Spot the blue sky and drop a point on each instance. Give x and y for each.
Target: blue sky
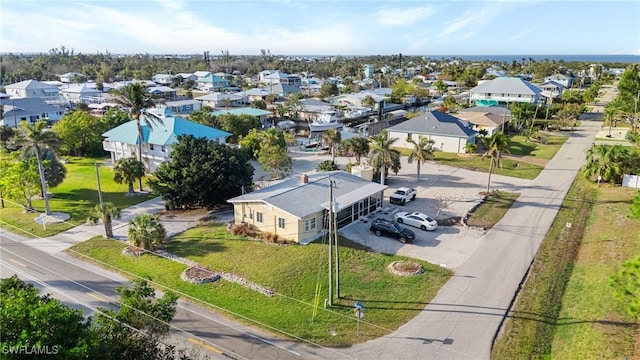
(326, 27)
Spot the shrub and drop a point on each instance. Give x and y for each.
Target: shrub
(243, 229)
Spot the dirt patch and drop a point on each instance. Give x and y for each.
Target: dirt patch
(452, 221)
(199, 275)
(404, 268)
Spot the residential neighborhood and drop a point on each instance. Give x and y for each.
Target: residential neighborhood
(312, 180)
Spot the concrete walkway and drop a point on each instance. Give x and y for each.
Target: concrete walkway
(64, 240)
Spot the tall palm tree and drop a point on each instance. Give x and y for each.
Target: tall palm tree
(332, 138)
(496, 144)
(606, 161)
(421, 152)
(127, 170)
(110, 212)
(36, 138)
(136, 100)
(146, 231)
(381, 153)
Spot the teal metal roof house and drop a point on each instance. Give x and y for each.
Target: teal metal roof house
(122, 141)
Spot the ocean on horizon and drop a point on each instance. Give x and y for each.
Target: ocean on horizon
(625, 58)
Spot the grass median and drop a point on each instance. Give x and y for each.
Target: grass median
(294, 272)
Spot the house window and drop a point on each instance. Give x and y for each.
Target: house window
(310, 224)
(409, 136)
(281, 223)
(259, 217)
(150, 146)
(163, 149)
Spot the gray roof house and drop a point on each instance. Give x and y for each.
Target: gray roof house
(564, 80)
(29, 109)
(551, 89)
(33, 89)
(449, 133)
(504, 90)
(296, 208)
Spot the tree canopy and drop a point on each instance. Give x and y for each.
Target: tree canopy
(135, 331)
(626, 285)
(202, 173)
(81, 133)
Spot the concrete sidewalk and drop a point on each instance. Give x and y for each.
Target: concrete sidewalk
(62, 241)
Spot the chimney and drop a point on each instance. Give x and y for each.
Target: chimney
(304, 178)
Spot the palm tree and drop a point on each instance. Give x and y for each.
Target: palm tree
(496, 144)
(136, 100)
(382, 155)
(606, 161)
(127, 170)
(441, 86)
(110, 211)
(332, 138)
(421, 152)
(146, 231)
(36, 138)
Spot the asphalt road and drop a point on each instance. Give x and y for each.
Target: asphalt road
(202, 333)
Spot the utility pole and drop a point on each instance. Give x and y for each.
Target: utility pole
(329, 241)
(106, 229)
(335, 234)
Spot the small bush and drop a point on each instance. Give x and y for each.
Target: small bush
(243, 229)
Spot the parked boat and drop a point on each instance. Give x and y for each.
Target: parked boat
(357, 112)
(286, 124)
(327, 120)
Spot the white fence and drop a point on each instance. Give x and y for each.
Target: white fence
(632, 181)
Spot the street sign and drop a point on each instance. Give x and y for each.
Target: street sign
(358, 312)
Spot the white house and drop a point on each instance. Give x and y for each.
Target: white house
(81, 94)
(218, 99)
(565, 80)
(33, 89)
(449, 133)
(504, 90)
(162, 79)
(122, 141)
(72, 77)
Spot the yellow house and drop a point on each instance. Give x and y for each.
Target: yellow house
(297, 208)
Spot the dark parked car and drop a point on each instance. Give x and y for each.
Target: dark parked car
(390, 228)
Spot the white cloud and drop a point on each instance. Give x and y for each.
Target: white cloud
(403, 17)
(522, 34)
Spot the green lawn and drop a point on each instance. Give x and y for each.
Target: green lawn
(75, 196)
(294, 272)
(487, 214)
(520, 145)
(509, 167)
(592, 322)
